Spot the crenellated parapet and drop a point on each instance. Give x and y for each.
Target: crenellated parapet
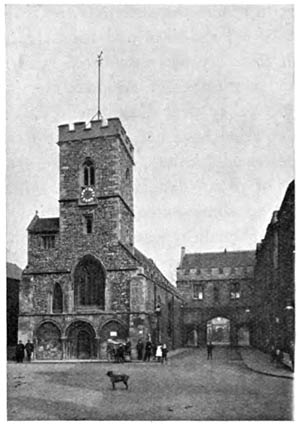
(95, 129)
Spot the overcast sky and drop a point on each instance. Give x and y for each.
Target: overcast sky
(205, 94)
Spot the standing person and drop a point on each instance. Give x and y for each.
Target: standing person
(128, 349)
(292, 353)
(140, 348)
(273, 353)
(20, 351)
(121, 351)
(158, 352)
(279, 357)
(164, 353)
(209, 350)
(29, 350)
(148, 349)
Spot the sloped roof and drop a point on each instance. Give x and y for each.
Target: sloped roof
(218, 260)
(151, 268)
(50, 224)
(13, 271)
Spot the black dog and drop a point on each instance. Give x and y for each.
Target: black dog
(117, 378)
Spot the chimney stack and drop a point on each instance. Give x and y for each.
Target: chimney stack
(182, 255)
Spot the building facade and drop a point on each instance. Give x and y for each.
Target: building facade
(85, 281)
(218, 290)
(275, 279)
(13, 278)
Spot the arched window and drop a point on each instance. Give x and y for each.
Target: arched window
(89, 283)
(88, 173)
(57, 300)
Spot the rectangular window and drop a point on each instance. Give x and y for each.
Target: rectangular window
(235, 292)
(88, 224)
(197, 291)
(48, 241)
(216, 294)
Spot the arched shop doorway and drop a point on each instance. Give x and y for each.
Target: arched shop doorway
(218, 331)
(81, 342)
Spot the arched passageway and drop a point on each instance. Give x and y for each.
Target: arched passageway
(111, 330)
(243, 336)
(48, 344)
(81, 342)
(218, 331)
(191, 338)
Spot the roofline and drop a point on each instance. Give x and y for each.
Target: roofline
(221, 252)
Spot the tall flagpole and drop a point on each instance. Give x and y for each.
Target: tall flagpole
(99, 116)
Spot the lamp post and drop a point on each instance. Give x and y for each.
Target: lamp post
(158, 313)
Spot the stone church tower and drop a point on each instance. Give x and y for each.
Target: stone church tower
(85, 282)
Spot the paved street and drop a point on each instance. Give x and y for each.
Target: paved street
(188, 388)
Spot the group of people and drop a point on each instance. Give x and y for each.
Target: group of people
(149, 350)
(118, 351)
(21, 349)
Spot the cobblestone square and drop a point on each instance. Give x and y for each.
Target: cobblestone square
(189, 387)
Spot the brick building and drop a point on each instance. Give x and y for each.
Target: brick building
(274, 279)
(13, 277)
(218, 290)
(85, 281)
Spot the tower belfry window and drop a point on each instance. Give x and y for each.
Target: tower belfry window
(88, 173)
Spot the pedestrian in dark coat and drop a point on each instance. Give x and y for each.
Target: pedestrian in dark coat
(20, 351)
(148, 350)
(164, 353)
(273, 353)
(128, 347)
(29, 350)
(121, 353)
(140, 348)
(209, 350)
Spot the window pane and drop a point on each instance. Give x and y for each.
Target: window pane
(86, 176)
(92, 175)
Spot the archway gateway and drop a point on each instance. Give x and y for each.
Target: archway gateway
(81, 342)
(218, 331)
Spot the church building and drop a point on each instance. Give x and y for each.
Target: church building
(85, 281)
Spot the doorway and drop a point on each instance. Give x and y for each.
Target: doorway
(218, 331)
(81, 343)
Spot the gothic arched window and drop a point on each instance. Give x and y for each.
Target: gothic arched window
(89, 283)
(88, 173)
(57, 300)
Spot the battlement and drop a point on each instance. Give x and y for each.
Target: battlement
(96, 129)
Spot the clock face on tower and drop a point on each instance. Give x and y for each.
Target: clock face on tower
(87, 195)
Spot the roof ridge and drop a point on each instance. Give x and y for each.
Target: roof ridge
(221, 252)
(42, 218)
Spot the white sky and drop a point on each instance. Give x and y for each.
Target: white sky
(204, 92)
